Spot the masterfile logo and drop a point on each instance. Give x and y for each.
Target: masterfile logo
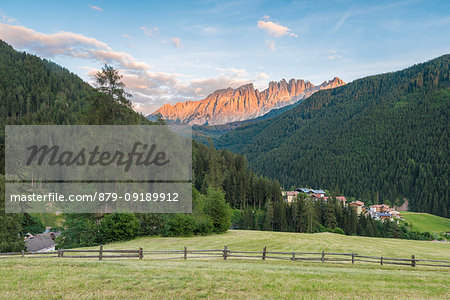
(96, 157)
(93, 153)
(97, 169)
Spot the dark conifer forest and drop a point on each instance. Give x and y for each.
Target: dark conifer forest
(380, 138)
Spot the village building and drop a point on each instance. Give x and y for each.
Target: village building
(41, 242)
(339, 198)
(289, 196)
(379, 208)
(383, 216)
(359, 206)
(383, 212)
(395, 214)
(312, 192)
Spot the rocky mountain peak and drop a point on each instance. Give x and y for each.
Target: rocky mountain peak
(246, 102)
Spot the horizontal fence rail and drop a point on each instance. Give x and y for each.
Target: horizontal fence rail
(227, 253)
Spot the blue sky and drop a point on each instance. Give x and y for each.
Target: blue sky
(171, 51)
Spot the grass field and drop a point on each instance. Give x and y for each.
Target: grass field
(425, 222)
(301, 242)
(218, 279)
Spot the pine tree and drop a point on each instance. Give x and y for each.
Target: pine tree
(268, 218)
(330, 216)
(11, 239)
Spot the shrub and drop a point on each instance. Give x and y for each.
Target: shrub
(151, 224)
(10, 226)
(203, 225)
(118, 227)
(81, 231)
(32, 224)
(337, 230)
(218, 209)
(321, 228)
(180, 225)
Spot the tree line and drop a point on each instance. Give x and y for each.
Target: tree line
(306, 215)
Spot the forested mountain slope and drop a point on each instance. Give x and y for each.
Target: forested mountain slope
(36, 91)
(30, 86)
(381, 137)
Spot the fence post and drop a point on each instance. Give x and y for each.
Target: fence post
(185, 252)
(141, 253)
(413, 260)
(62, 252)
(100, 252)
(225, 252)
(381, 260)
(323, 256)
(353, 258)
(23, 253)
(264, 253)
(59, 253)
(293, 256)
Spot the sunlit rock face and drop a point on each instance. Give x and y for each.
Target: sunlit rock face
(246, 102)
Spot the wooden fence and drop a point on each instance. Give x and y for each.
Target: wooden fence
(227, 254)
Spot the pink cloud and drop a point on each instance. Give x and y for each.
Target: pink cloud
(274, 29)
(150, 31)
(176, 42)
(150, 89)
(96, 7)
(271, 45)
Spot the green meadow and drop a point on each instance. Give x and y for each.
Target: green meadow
(215, 278)
(426, 222)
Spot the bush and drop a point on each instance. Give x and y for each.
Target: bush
(118, 227)
(337, 230)
(151, 224)
(180, 225)
(321, 228)
(10, 226)
(32, 225)
(203, 225)
(218, 209)
(57, 229)
(81, 231)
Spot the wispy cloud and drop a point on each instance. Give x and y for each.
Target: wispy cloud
(206, 30)
(334, 55)
(271, 45)
(232, 72)
(68, 44)
(149, 31)
(5, 18)
(95, 7)
(127, 36)
(176, 42)
(274, 29)
(262, 75)
(154, 32)
(62, 42)
(341, 21)
(150, 88)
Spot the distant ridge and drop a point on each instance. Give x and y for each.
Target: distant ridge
(246, 102)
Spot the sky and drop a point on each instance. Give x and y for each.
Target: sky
(174, 51)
